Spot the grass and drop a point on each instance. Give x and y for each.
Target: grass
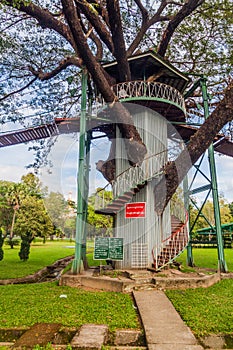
(206, 311)
(41, 255)
(207, 258)
(25, 305)
(210, 310)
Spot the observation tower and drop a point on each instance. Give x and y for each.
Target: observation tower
(154, 98)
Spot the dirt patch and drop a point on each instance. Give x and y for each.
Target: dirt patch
(176, 273)
(39, 334)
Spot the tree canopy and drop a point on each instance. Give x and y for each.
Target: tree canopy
(44, 44)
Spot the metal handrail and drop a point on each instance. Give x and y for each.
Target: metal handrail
(172, 246)
(133, 176)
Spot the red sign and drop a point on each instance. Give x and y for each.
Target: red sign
(135, 210)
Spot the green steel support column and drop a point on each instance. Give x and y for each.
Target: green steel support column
(85, 197)
(190, 261)
(80, 222)
(221, 257)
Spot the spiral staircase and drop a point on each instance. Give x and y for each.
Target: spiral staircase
(126, 185)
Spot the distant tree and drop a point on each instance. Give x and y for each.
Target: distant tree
(70, 225)
(16, 192)
(208, 213)
(1, 244)
(98, 224)
(231, 209)
(6, 211)
(57, 208)
(33, 185)
(32, 221)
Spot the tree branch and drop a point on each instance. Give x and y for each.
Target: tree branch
(175, 171)
(100, 7)
(114, 15)
(93, 18)
(146, 24)
(143, 10)
(68, 61)
(184, 12)
(88, 58)
(19, 90)
(44, 18)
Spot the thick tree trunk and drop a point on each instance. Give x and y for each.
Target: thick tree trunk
(50, 272)
(118, 112)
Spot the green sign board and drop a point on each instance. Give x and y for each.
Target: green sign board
(101, 248)
(116, 248)
(108, 248)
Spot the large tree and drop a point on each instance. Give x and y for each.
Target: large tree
(69, 34)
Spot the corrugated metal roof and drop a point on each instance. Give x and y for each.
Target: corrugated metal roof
(144, 65)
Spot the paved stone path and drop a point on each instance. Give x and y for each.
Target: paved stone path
(164, 328)
(90, 336)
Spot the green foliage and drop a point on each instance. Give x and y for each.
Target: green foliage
(33, 219)
(78, 308)
(1, 244)
(231, 209)
(203, 39)
(58, 209)
(14, 241)
(22, 212)
(206, 311)
(207, 216)
(47, 347)
(25, 247)
(99, 224)
(6, 210)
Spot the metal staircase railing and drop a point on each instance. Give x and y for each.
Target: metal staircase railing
(130, 179)
(172, 246)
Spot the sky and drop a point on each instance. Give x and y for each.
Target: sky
(62, 177)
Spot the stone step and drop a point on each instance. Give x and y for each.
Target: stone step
(90, 336)
(142, 281)
(146, 286)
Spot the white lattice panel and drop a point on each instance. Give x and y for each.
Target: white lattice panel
(139, 255)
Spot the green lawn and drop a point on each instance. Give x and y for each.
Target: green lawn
(206, 310)
(25, 305)
(41, 255)
(208, 258)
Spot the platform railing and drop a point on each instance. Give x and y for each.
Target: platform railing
(142, 89)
